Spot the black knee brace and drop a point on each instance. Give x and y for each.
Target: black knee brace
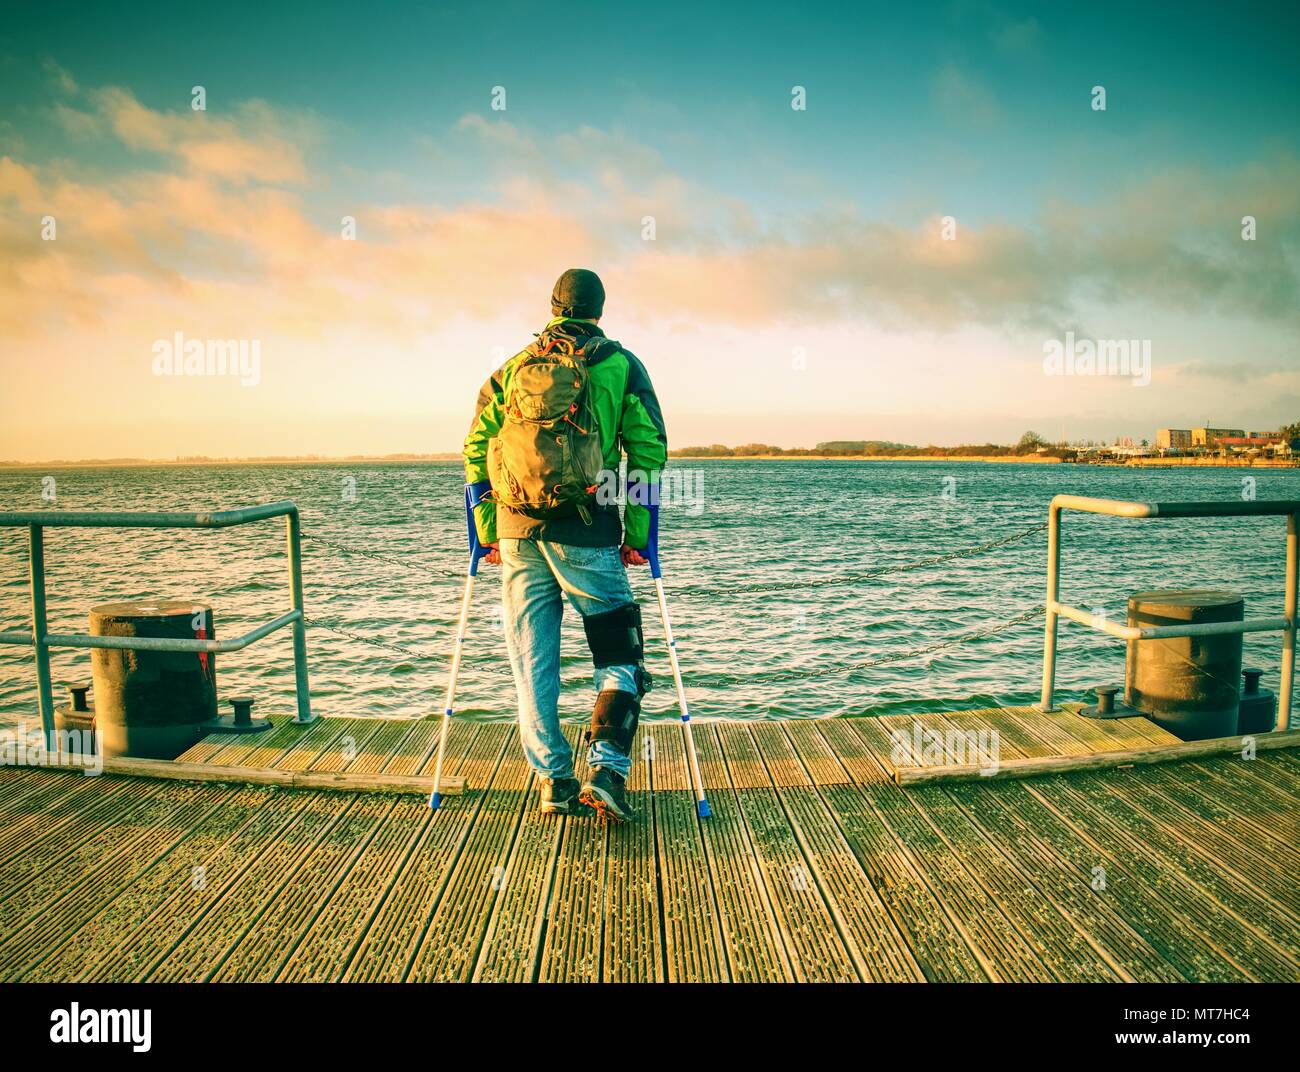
(616, 639)
(614, 719)
(615, 636)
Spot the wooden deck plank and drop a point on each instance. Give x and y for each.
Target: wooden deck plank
(693, 949)
(347, 746)
(59, 806)
(1152, 905)
(1237, 950)
(316, 739)
(992, 735)
(1041, 734)
(258, 749)
(512, 943)
(1013, 734)
(414, 749)
(239, 904)
(1288, 788)
(282, 923)
(814, 866)
(573, 933)
(819, 949)
(380, 747)
(175, 917)
(449, 949)
(327, 946)
(203, 750)
(1247, 807)
(818, 758)
(1024, 834)
(107, 920)
(1003, 951)
(1112, 735)
(57, 859)
(937, 943)
(1223, 894)
(98, 868)
(881, 952)
(632, 935)
(1051, 934)
(1201, 822)
(32, 789)
(752, 939)
(393, 935)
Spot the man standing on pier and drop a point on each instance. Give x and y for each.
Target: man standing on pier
(548, 433)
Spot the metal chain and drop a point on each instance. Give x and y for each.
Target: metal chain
(856, 578)
(409, 653)
(718, 680)
(704, 590)
(440, 571)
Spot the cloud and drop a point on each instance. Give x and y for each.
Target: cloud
(1016, 37)
(255, 143)
(226, 232)
(60, 77)
(963, 98)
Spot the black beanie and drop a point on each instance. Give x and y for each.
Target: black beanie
(578, 293)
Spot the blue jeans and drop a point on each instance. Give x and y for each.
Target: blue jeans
(535, 577)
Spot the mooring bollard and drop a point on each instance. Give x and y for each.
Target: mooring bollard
(1186, 685)
(150, 703)
(75, 722)
(1106, 705)
(1258, 710)
(242, 721)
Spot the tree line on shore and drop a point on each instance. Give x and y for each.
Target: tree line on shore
(1029, 443)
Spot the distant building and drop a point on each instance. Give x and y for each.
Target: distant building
(1251, 442)
(1205, 437)
(1173, 438)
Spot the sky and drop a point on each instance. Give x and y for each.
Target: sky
(888, 261)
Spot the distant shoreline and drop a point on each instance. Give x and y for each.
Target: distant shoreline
(1026, 459)
(427, 459)
(155, 463)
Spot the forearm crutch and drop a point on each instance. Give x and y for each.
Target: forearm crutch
(651, 493)
(474, 494)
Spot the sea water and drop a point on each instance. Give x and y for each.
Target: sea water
(753, 554)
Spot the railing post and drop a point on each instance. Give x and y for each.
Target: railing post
(44, 691)
(1053, 582)
(293, 531)
(1288, 634)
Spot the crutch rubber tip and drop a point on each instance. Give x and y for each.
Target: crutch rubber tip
(703, 808)
(434, 801)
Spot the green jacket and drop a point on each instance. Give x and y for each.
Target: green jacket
(630, 422)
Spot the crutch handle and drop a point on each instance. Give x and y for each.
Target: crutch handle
(646, 493)
(475, 494)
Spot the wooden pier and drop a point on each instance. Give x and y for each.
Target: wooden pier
(815, 866)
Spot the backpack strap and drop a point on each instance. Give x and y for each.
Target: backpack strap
(592, 346)
(596, 345)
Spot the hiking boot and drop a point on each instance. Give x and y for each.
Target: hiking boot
(605, 792)
(558, 795)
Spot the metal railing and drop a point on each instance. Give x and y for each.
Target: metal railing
(1290, 509)
(42, 640)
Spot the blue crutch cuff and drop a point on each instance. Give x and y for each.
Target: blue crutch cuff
(474, 494)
